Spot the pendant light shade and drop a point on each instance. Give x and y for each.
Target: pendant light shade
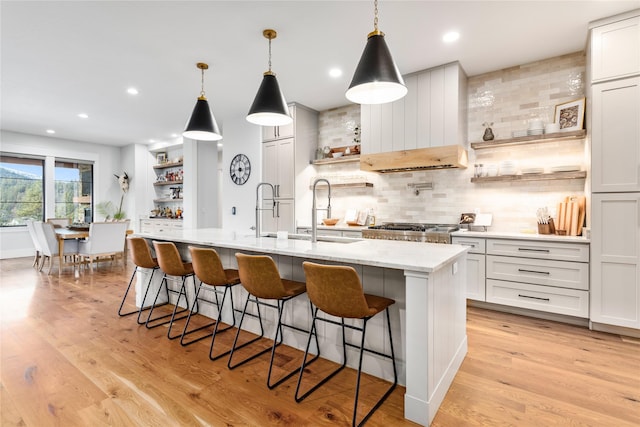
(269, 107)
(377, 79)
(202, 125)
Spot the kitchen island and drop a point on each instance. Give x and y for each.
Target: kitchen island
(427, 281)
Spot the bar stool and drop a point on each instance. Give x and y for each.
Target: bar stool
(141, 257)
(173, 267)
(337, 291)
(208, 269)
(261, 279)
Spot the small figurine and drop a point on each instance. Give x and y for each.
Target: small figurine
(488, 133)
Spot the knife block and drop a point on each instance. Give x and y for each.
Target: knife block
(548, 228)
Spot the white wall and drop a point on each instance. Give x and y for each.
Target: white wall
(242, 137)
(15, 242)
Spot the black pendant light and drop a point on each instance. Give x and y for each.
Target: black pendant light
(202, 125)
(377, 79)
(269, 107)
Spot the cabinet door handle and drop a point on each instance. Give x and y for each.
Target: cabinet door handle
(471, 245)
(533, 250)
(277, 209)
(522, 270)
(277, 190)
(530, 297)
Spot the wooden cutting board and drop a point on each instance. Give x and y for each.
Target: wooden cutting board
(571, 213)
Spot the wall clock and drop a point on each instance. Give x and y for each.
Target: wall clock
(240, 169)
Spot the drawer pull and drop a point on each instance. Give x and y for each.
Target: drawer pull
(530, 297)
(473, 245)
(533, 250)
(522, 270)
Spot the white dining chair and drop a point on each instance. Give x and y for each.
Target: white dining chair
(106, 239)
(36, 243)
(49, 245)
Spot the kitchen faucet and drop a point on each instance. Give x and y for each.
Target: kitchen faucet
(259, 208)
(314, 209)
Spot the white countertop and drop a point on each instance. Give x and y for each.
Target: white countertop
(521, 236)
(414, 256)
(339, 227)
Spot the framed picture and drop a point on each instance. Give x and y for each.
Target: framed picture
(161, 158)
(570, 115)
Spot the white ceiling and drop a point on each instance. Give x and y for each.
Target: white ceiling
(61, 58)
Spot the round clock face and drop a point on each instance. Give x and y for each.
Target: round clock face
(240, 169)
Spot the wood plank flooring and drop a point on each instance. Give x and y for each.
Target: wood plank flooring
(67, 359)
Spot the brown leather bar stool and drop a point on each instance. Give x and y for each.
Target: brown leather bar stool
(141, 257)
(174, 269)
(337, 291)
(261, 279)
(208, 269)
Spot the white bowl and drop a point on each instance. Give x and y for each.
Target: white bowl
(337, 154)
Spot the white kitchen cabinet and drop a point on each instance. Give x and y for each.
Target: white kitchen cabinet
(432, 114)
(282, 217)
(476, 269)
(615, 136)
(615, 49)
(278, 166)
(152, 225)
(285, 158)
(544, 276)
(615, 263)
(269, 133)
(323, 231)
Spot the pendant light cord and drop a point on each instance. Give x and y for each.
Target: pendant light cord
(202, 84)
(375, 16)
(269, 55)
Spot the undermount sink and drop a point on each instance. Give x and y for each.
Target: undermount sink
(332, 239)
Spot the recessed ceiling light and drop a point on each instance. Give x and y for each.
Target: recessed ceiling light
(174, 135)
(335, 72)
(51, 131)
(451, 36)
(152, 141)
(132, 91)
(83, 115)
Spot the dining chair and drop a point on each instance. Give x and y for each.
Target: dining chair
(36, 243)
(337, 291)
(106, 239)
(49, 245)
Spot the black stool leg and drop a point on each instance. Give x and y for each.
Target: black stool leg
(183, 291)
(141, 309)
(299, 398)
(277, 342)
(230, 365)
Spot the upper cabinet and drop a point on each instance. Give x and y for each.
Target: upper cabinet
(615, 136)
(271, 133)
(615, 48)
(432, 114)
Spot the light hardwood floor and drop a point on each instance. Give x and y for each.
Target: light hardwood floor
(67, 359)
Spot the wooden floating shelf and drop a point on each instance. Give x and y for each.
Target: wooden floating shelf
(352, 158)
(166, 200)
(167, 165)
(345, 185)
(532, 177)
(531, 139)
(157, 184)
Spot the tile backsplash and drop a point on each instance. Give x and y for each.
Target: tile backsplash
(508, 98)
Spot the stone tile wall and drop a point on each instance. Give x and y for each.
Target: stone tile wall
(508, 98)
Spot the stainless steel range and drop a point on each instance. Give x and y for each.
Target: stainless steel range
(412, 232)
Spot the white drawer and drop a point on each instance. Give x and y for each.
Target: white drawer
(352, 234)
(534, 249)
(175, 225)
(476, 244)
(570, 302)
(571, 275)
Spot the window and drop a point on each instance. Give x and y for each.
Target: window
(74, 190)
(21, 190)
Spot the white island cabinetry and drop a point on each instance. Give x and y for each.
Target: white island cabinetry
(426, 280)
